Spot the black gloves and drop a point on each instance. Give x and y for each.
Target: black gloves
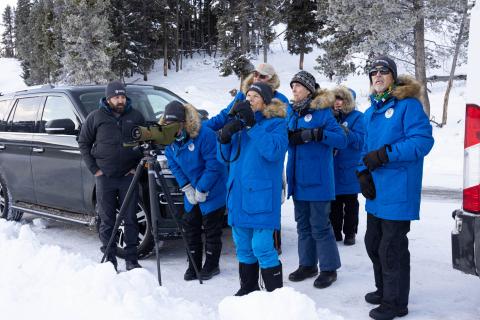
(376, 158)
(302, 136)
(366, 184)
(225, 134)
(244, 111)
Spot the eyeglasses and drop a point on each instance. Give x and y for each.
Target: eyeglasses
(256, 74)
(382, 70)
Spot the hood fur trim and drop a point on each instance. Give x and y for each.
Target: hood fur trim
(274, 83)
(346, 95)
(192, 121)
(276, 109)
(322, 98)
(407, 87)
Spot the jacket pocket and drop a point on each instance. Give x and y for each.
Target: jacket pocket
(308, 172)
(257, 196)
(393, 185)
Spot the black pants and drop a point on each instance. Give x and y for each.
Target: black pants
(110, 195)
(344, 214)
(212, 226)
(387, 246)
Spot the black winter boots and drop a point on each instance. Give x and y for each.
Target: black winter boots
(374, 297)
(132, 264)
(273, 277)
(384, 312)
(212, 256)
(197, 259)
(248, 278)
(325, 279)
(302, 273)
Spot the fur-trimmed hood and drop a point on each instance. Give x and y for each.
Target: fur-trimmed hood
(276, 109)
(322, 98)
(274, 83)
(193, 123)
(406, 87)
(348, 102)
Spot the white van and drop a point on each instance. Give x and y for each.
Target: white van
(466, 233)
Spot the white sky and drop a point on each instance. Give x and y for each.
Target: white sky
(3, 4)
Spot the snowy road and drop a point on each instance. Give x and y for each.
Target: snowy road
(437, 291)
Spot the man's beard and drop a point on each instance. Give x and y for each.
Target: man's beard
(118, 108)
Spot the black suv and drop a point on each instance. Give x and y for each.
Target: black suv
(42, 171)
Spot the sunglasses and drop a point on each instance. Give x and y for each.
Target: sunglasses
(256, 74)
(338, 98)
(382, 70)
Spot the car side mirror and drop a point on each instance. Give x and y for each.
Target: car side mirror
(60, 126)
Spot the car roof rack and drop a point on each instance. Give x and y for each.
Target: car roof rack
(47, 86)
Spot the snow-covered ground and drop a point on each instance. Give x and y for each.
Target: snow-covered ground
(50, 269)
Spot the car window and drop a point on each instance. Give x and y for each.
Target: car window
(58, 108)
(24, 116)
(90, 100)
(4, 104)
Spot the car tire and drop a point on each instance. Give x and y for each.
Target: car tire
(6, 211)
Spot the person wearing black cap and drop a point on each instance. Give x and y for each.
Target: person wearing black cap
(192, 160)
(253, 143)
(398, 135)
(101, 145)
(313, 133)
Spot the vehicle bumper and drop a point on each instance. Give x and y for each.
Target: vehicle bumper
(466, 242)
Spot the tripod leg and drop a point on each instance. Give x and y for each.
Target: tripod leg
(154, 212)
(123, 208)
(164, 186)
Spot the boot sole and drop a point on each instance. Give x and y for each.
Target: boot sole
(211, 275)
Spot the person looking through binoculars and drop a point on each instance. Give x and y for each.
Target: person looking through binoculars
(254, 143)
(101, 143)
(192, 160)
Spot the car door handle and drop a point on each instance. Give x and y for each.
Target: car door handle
(38, 150)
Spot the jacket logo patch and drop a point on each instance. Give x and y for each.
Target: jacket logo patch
(191, 147)
(308, 118)
(345, 124)
(389, 113)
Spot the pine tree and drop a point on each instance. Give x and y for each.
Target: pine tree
(87, 40)
(396, 28)
(23, 36)
(302, 27)
(7, 35)
(266, 15)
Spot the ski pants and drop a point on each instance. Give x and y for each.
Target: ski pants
(344, 215)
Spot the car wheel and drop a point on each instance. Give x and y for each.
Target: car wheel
(145, 238)
(6, 211)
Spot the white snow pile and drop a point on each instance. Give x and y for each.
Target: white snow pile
(49, 281)
(78, 288)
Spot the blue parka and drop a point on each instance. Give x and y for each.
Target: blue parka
(254, 185)
(401, 123)
(195, 162)
(310, 166)
(347, 160)
(217, 122)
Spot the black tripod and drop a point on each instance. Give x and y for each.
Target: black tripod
(155, 178)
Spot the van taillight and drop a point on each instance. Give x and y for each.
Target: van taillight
(471, 158)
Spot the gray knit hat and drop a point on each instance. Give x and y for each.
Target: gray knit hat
(306, 79)
(115, 88)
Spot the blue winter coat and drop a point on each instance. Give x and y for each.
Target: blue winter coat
(254, 185)
(401, 123)
(347, 160)
(310, 166)
(195, 162)
(217, 122)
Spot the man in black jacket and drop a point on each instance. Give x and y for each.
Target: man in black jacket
(101, 144)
